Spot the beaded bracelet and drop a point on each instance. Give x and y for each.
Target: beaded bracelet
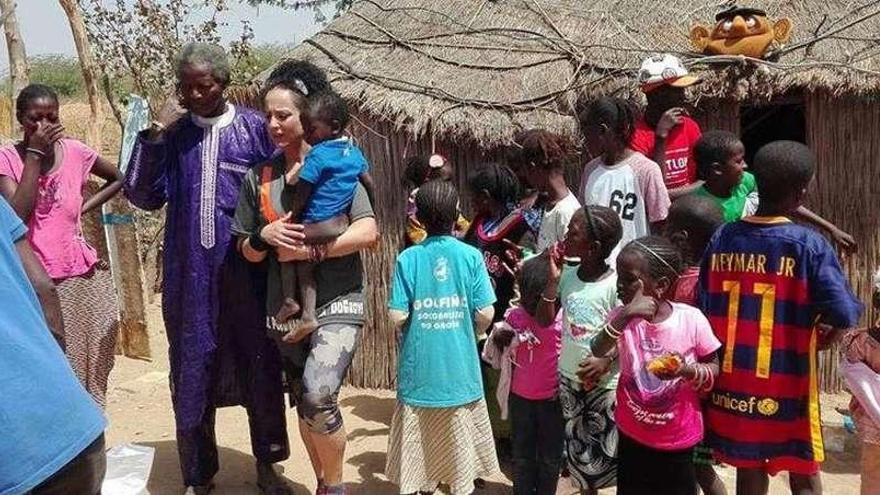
(547, 299)
(701, 369)
(703, 380)
(611, 332)
(710, 383)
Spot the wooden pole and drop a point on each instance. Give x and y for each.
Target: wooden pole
(90, 71)
(123, 247)
(18, 63)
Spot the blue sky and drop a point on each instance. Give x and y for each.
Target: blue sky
(45, 29)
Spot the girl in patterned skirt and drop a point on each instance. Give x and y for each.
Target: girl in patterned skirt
(586, 292)
(44, 177)
(441, 296)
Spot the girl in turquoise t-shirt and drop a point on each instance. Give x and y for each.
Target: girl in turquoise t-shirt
(441, 296)
(586, 292)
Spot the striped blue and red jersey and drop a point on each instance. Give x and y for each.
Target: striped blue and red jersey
(764, 284)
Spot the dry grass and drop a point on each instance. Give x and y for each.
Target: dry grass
(482, 70)
(844, 133)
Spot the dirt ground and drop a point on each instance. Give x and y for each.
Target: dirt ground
(139, 408)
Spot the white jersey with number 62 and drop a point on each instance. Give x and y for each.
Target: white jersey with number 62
(633, 188)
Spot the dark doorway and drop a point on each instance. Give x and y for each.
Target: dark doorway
(779, 120)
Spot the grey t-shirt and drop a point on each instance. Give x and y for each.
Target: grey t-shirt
(339, 280)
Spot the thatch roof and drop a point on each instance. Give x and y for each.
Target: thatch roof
(485, 68)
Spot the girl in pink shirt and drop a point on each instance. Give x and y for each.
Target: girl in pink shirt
(535, 412)
(43, 177)
(667, 354)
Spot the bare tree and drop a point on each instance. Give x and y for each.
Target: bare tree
(18, 63)
(90, 71)
(318, 7)
(137, 41)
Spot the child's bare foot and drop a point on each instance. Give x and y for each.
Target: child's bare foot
(289, 309)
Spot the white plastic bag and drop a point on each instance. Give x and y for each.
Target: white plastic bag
(128, 469)
(864, 384)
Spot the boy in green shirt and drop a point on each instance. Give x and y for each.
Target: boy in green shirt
(720, 157)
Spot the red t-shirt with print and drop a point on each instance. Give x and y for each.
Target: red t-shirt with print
(681, 167)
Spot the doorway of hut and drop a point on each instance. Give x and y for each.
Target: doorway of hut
(780, 119)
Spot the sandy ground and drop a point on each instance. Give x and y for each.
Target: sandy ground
(139, 408)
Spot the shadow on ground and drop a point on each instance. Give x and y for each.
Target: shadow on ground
(370, 408)
(237, 474)
(842, 451)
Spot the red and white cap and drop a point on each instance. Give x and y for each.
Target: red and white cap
(664, 70)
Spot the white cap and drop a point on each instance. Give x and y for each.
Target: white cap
(664, 70)
(436, 161)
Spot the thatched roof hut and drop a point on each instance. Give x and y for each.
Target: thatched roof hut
(462, 76)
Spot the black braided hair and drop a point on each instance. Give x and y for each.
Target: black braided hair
(714, 147)
(662, 257)
(30, 93)
(699, 216)
(328, 106)
(497, 180)
(541, 148)
(437, 207)
(618, 114)
(416, 170)
(532, 281)
(783, 168)
(604, 226)
(285, 75)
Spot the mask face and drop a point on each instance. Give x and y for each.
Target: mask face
(745, 32)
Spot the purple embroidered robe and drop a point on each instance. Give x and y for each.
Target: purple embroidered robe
(213, 300)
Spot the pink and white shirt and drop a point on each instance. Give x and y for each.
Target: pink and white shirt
(633, 188)
(55, 229)
(536, 362)
(662, 414)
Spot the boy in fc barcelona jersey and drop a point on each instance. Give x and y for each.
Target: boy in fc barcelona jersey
(766, 286)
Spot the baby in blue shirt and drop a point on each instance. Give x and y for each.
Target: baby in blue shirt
(321, 196)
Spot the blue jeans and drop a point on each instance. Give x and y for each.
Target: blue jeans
(537, 436)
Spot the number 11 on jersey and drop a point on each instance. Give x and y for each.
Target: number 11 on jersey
(765, 325)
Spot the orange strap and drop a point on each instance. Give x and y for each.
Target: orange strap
(266, 208)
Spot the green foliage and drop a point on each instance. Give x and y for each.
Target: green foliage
(138, 41)
(258, 59)
(339, 6)
(60, 72)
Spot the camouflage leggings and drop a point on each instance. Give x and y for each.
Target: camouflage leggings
(315, 384)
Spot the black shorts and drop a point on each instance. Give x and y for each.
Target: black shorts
(643, 470)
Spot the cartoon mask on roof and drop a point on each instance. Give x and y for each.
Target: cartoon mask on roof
(740, 31)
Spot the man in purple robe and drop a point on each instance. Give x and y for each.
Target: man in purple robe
(213, 300)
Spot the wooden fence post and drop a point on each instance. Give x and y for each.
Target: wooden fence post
(122, 247)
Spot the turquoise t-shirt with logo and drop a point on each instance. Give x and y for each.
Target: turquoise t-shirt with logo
(46, 416)
(440, 284)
